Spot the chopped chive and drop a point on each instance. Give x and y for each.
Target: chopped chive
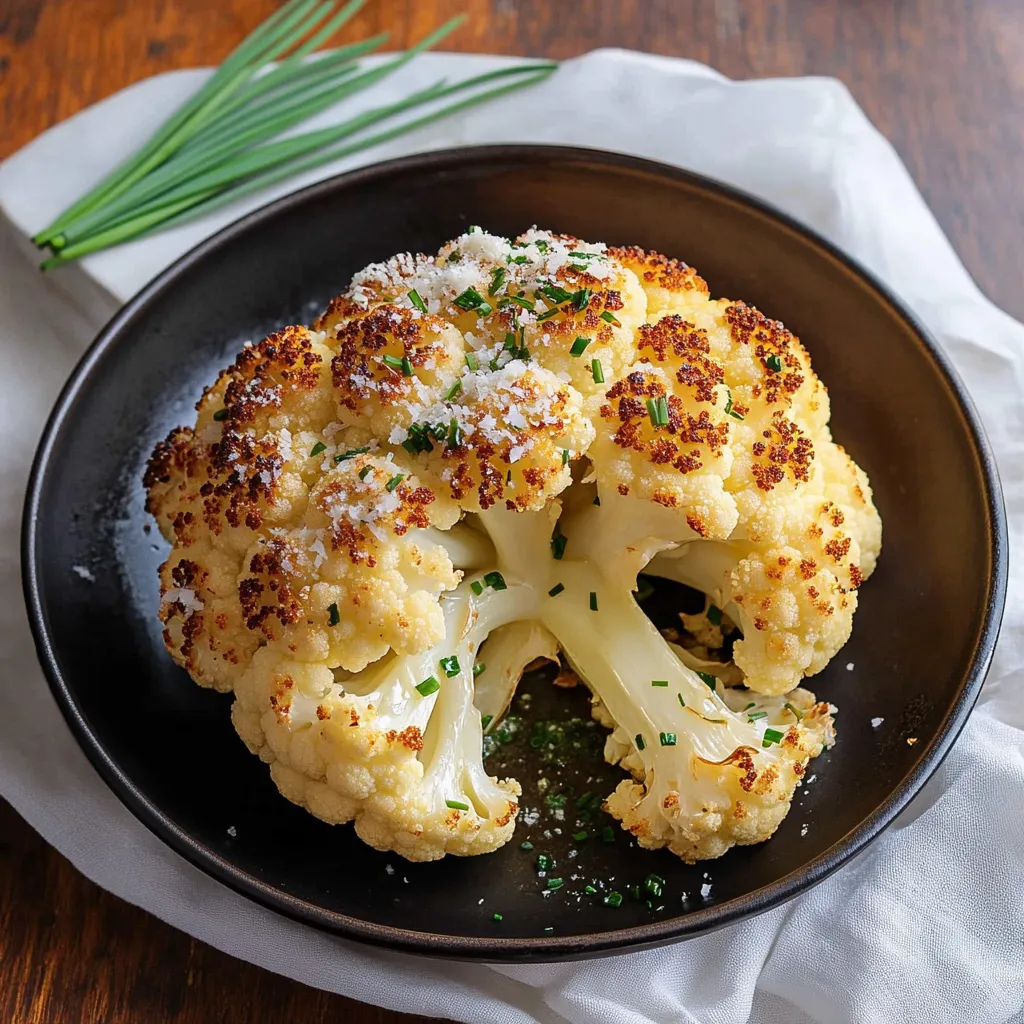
(668, 739)
(417, 300)
(333, 617)
(517, 300)
(365, 472)
(613, 899)
(495, 581)
(406, 366)
(558, 543)
(473, 229)
(735, 415)
(517, 259)
(350, 454)
(469, 300)
(750, 705)
(581, 298)
(579, 346)
(659, 682)
(554, 883)
(221, 414)
(598, 371)
(317, 449)
(508, 478)
(652, 411)
(654, 884)
(478, 667)
(589, 890)
(549, 928)
(456, 805)
(487, 719)
(549, 314)
(393, 361)
(527, 845)
(566, 455)
(453, 391)
(755, 715)
(510, 341)
(428, 686)
(708, 679)
(497, 280)
(607, 834)
(798, 714)
(663, 412)
(454, 434)
(772, 736)
(543, 862)
(471, 361)
(639, 738)
(593, 600)
(556, 293)
(682, 703)
(541, 245)
(394, 482)
(450, 666)
(555, 800)
(498, 917)
(556, 590)
(714, 615)
(581, 835)
(774, 363)
(477, 587)
(634, 891)
(609, 318)
(584, 798)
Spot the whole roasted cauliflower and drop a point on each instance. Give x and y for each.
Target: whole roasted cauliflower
(497, 440)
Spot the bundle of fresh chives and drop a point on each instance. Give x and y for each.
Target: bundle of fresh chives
(223, 143)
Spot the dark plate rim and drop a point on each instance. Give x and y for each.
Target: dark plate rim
(499, 949)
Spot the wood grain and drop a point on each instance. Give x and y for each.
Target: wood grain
(944, 79)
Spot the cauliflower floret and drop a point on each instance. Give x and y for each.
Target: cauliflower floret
(493, 442)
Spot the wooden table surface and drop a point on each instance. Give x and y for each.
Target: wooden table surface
(944, 79)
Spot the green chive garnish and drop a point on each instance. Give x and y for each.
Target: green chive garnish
(579, 346)
(497, 280)
(393, 361)
(558, 543)
(668, 739)
(682, 703)
(365, 472)
(453, 391)
(317, 449)
(526, 845)
(469, 300)
(350, 454)
(714, 615)
(495, 581)
(394, 482)
(477, 587)
(774, 363)
(487, 719)
(456, 805)
(454, 434)
(406, 366)
(581, 835)
(555, 293)
(797, 713)
(554, 883)
(609, 318)
(549, 314)
(607, 834)
(471, 361)
(654, 885)
(517, 300)
(510, 341)
(543, 862)
(498, 917)
(708, 679)
(416, 299)
(450, 666)
(581, 298)
(593, 600)
(428, 686)
(771, 736)
(756, 715)
(613, 899)
(556, 590)
(662, 412)
(479, 667)
(589, 890)
(598, 371)
(221, 414)
(566, 455)
(639, 738)
(652, 411)
(750, 705)
(333, 617)
(659, 682)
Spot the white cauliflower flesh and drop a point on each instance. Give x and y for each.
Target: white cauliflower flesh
(481, 449)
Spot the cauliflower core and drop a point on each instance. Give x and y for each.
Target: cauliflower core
(496, 440)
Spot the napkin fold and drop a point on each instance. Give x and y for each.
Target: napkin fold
(926, 925)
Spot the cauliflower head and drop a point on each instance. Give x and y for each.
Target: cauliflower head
(491, 442)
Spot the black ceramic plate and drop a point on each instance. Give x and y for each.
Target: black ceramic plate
(922, 639)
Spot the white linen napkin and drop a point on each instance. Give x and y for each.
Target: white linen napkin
(926, 925)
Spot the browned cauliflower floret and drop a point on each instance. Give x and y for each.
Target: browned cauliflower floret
(495, 440)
